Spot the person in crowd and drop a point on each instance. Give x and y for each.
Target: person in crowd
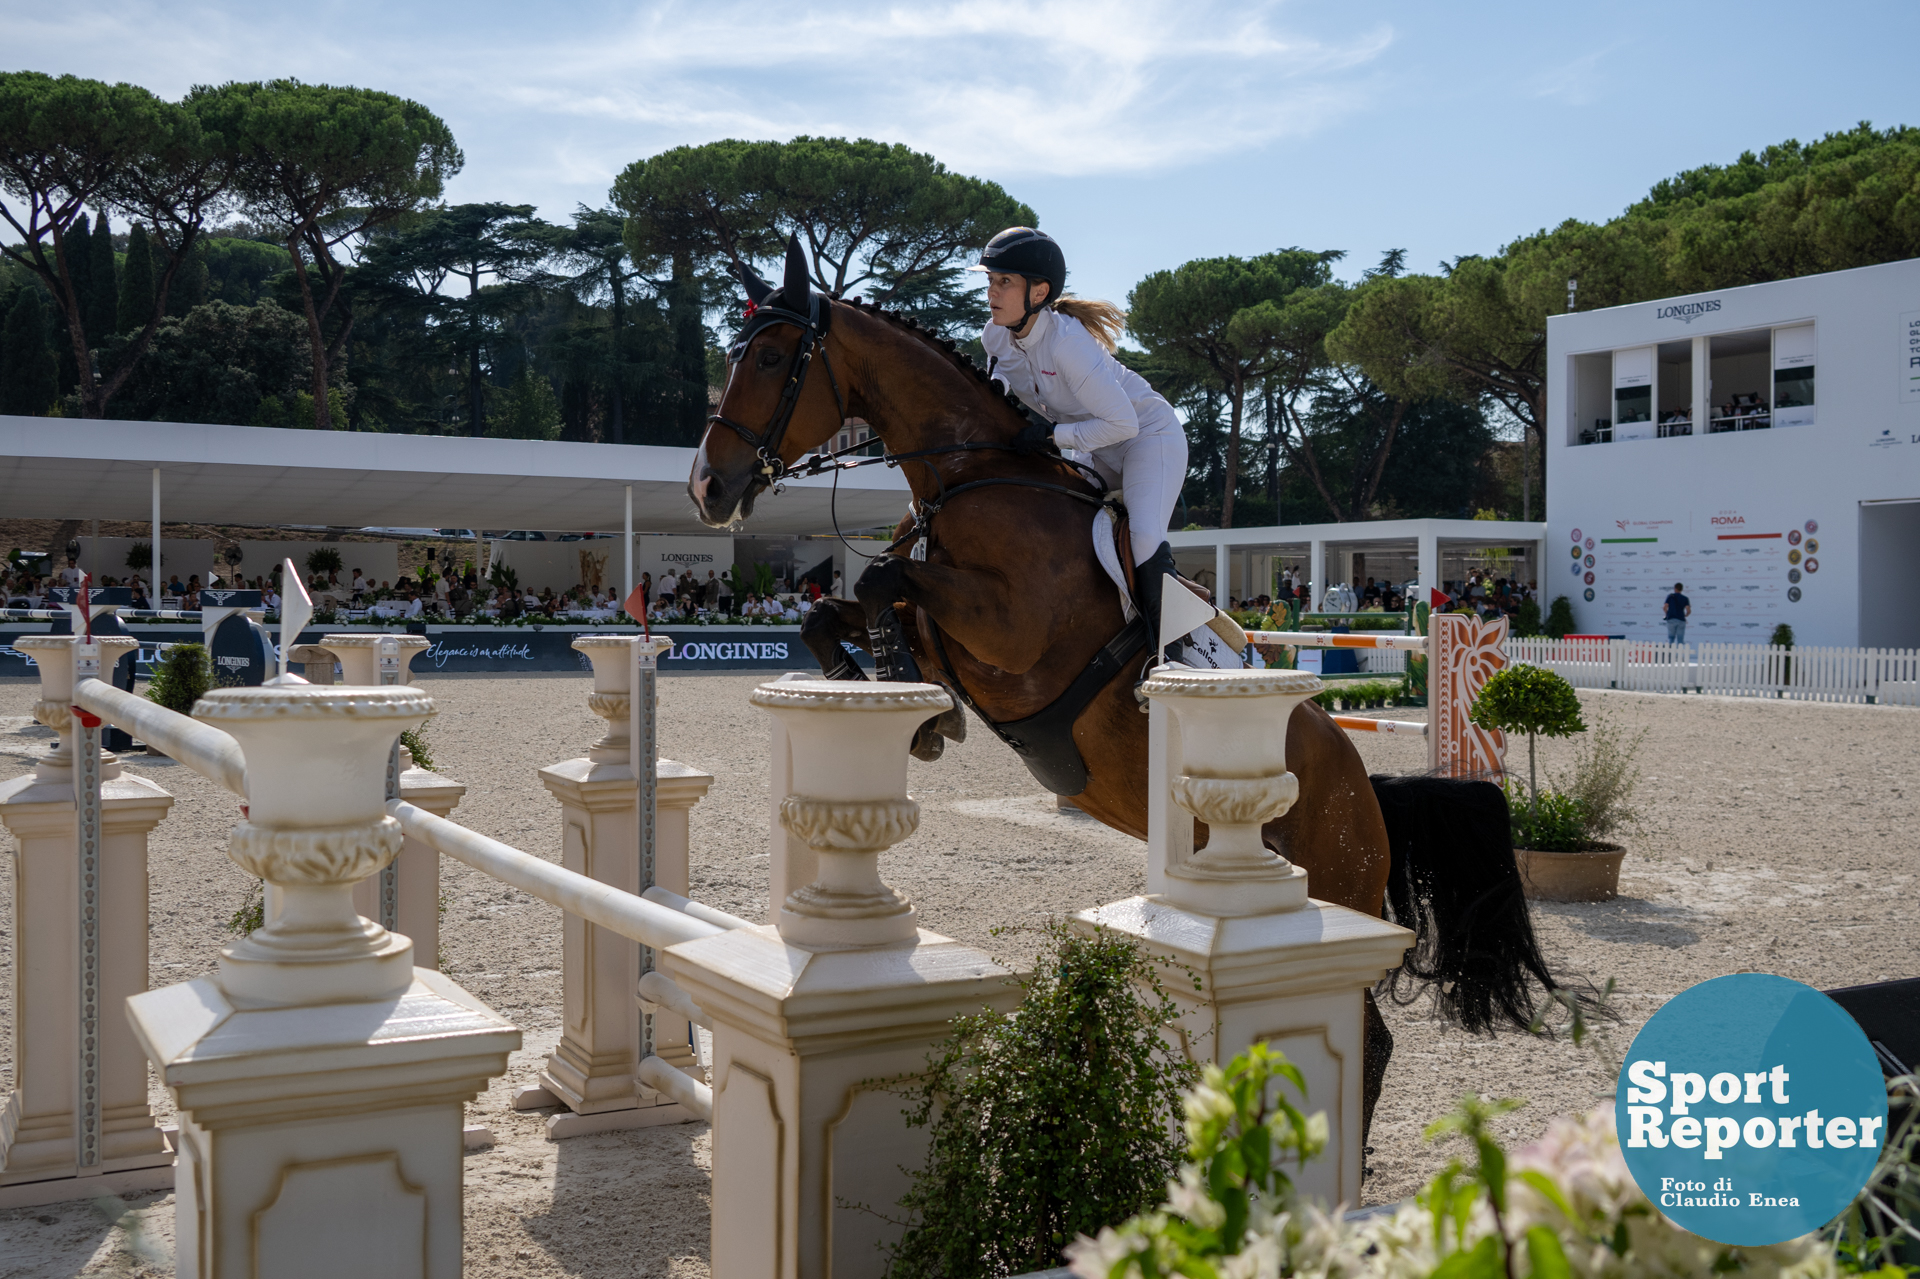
(140, 596)
(789, 612)
(358, 586)
(1678, 608)
(416, 607)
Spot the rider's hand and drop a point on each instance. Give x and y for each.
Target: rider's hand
(1035, 437)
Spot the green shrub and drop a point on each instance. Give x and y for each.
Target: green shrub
(1559, 618)
(140, 556)
(1551, 822)
(1782, 636)
(1604, 778)
(1530, 700)
(1526, 619)
(1049, 1122)
(252, 913)
(183, 677)
(415, 740)
(325, 559)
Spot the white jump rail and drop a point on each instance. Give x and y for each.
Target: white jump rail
(1376, 643)
(658, 919)
(206, 750)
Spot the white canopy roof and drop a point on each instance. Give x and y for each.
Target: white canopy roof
(60, 468)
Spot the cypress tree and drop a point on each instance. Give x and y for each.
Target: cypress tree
(136, 282)
(28, 373)
(79, 250)
(103, 310)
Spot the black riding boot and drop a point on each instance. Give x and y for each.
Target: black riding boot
(1149, 585)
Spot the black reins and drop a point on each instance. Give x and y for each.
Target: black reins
(766, 444)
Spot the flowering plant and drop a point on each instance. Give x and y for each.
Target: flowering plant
(1564, 1207)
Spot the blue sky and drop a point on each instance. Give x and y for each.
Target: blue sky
(1144, 132)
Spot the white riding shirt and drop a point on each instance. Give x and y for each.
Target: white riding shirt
(1062, 372)
(1104, 411)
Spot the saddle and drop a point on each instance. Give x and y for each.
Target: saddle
(1044, 740)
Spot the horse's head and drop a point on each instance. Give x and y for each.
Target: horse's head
(777, 406)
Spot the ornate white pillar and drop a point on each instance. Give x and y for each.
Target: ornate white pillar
(361, 653)
(414, 905)
(846, 991)
(1274, 965)
(605, 1033)
(320, 1077)
(39, 1162)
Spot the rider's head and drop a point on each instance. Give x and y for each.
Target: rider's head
(1025, 271)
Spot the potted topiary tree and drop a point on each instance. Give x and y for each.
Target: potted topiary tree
(1550, 837)
(1559, 623)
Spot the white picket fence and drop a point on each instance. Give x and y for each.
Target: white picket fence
(1872, 675)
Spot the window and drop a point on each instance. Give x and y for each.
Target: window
(1793, 361)
(1738, 386)
(1633, 394)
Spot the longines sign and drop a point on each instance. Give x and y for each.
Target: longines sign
(1686, 312)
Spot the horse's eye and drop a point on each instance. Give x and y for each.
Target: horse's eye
(770, 358)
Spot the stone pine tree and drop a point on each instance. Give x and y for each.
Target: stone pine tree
(29, 376)
(322, 165)
(103, 286)
(136, 282)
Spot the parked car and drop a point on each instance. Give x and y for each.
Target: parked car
(515, 535)
(465, 533)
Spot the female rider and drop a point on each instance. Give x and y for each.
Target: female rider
(1055, 352)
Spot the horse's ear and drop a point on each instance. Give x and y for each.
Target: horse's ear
(798, 285)
(757, 288)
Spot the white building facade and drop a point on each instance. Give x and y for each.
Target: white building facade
(1760, 445)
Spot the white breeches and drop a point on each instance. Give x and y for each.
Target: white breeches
(1149, 470)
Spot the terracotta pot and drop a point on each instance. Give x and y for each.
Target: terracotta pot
(1592, 876)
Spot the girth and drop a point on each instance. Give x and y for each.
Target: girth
(1044, 740)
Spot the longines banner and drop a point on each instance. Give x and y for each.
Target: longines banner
(507, 650)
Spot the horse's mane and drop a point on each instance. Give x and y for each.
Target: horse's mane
(943, 346)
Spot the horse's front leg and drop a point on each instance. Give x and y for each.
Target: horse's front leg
(974, 606)
(829, 626)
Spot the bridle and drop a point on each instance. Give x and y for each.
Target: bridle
(813, 331)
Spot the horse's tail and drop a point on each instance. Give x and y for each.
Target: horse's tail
(1455, 883)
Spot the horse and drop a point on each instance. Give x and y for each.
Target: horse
(992, 588)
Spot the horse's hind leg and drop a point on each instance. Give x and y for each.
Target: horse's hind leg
(829, 626)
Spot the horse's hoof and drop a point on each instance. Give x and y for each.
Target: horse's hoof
(928, 745)
(951, 724)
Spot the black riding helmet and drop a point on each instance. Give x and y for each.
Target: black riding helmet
(1023, 251)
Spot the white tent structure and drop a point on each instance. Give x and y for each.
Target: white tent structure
(56, 468)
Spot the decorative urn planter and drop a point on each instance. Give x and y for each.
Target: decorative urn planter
(1590, 876)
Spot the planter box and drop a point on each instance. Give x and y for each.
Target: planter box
(1570, 877)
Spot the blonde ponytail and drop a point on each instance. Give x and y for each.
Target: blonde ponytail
(1102, 319)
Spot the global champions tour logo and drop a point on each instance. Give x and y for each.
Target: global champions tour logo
(1687, 312)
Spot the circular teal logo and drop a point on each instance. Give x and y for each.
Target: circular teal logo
(1751, 1109)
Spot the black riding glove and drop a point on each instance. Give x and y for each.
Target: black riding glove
(1035, 437)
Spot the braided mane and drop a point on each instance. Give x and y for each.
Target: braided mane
(941, 345)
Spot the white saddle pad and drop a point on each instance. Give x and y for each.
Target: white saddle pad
(1202, 648)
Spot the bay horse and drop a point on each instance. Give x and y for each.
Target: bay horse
(997, 589)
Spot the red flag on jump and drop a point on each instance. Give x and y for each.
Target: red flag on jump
(636, 607)
(1437, 598)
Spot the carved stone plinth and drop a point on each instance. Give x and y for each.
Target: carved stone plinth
(360, 653)
(803, 1132)
(593, 1071)
(37, 1125)
(809, 1017)
(1274, 965)
(319, 1076)
(1295, 979)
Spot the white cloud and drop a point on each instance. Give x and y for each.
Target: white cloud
(997, 88)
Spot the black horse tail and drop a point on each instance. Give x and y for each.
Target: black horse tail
(1456, 884)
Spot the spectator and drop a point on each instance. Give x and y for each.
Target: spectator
(359, 585)
(839, 591)
(1679, 609)
(416, 607)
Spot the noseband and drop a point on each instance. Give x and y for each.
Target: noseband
(813, 331)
